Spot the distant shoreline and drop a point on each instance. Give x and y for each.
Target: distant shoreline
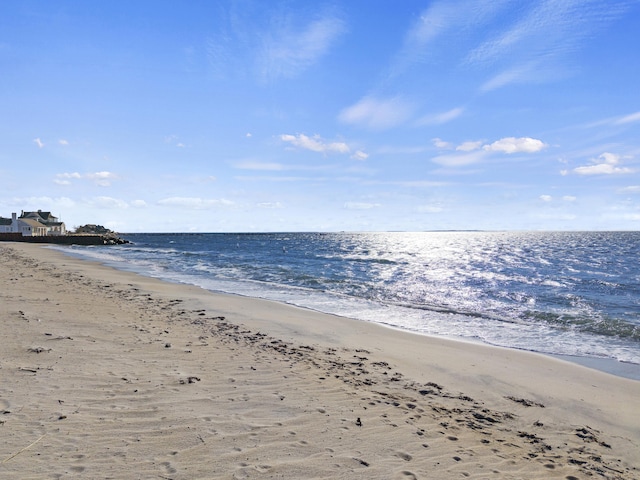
(69, 239)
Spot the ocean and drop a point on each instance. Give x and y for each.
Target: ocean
(561, 293)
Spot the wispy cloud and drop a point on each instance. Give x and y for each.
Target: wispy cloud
(108, 203)
(360, 155)
(630, 189)
(270, 205)
(619, 120)
(52, 203)
(526, 72)
(275, 42)
(634, 117)
(439, 20)
(536, 44)
(360, 205)
(471, 152)
(102, 179)
(460, 159)
(376, 113)
(550, 27)
(38, 142)
(280, 179)
(442, 144)
(441, 118)
(433, 208)
(257, 165)
(315, 143)
(287, 51)
(531, 42)
(469, 146)
(195, 203)
(605, 164)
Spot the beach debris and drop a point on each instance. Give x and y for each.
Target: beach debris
(359, 422)
(525, 402)
(25, 448)
(190, 379)
(588, 434)
(361, 462)
(38, 350)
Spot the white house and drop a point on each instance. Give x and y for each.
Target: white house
(33, 224)
(7, 224)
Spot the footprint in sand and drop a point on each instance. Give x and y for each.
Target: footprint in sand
(405, 456)
(168, 467)
(406, 475)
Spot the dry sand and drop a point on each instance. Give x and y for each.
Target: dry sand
(106, 374)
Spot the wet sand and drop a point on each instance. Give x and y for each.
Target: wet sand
(107, 374)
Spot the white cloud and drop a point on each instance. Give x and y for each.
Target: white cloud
(270, 205)
(108, 202)
(468, 146)
(630, 189)
(63, 142)
(38, 142)
(460, 159)
(439, 143)
(471, 152)
(65, 178)
(360, 205)
(605, 164)
(516, 145)
(278, 179)
(430, 208)
(440, 118)
(33, 203)
(139, 204)
(102, 179)
(195, 203)
(546, 198)
(315, 143)
(569, 198)
(360, 155)
(257, 165)
(377, 114)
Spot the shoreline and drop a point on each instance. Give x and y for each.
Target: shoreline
(608, 365)
(100, 359)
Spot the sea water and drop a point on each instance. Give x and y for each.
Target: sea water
(562, 293)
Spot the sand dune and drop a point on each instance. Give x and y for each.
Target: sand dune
(106, 374)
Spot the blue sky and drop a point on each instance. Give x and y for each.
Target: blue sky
(214, 116)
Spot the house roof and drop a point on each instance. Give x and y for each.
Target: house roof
(5, 221)
(43, 217)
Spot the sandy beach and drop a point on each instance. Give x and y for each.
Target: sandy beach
(107, 374)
